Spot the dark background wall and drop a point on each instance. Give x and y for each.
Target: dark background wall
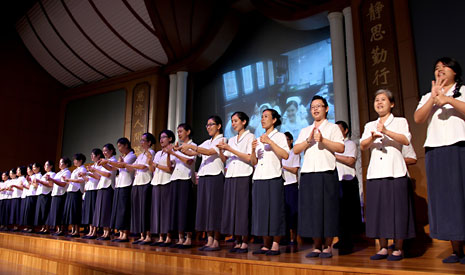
(92, 122)
(438, 30)
(29, 103)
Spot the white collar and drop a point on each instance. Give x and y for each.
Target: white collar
(388, 120)
(217, 137)
(239, 139)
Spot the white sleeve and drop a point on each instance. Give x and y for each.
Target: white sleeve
(350, 149)
(366, 132)
(303, 135)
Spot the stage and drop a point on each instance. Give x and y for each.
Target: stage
(22, 253)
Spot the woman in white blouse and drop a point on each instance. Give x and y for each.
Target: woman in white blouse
(30, 201)
(141, 194)
(182, 189)
(104, 201)
(291, 189)
(444, 110)
(350, 212)
(121, 209)
(44, 189)
(73, 204)
(268, 207)
(236, 195)
(16, 192)
(55, 217)
(389, 213)
(21, 173)
(161, 211)
(5, 206)
(319, 186)
(211, 183)
(90, 193)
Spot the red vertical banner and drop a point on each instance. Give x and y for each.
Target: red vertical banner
(140, 114)
(381, 55)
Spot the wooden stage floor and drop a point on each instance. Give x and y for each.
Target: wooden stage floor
(22, 253)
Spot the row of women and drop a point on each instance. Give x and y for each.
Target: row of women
(251, 198)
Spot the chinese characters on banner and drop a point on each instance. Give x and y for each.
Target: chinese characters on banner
(140, 114)
(381, 58)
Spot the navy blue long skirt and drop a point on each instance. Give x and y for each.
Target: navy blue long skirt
(42, 209)
(88, 207)
(268, 211)
(15, 211)
(121, 210)
(236, 206)
(29, 210)
(209, 203)
(73, 208)
(389, 209)
(350, 211)
(319, 204)
(183, 205)
(161, 210)
(445, 173)
(6, 209)
(291, 195)
(57, 207)
(141, 202)
(103, 204)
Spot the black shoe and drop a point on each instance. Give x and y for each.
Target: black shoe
(202, 248)
(395, 258)
(378, 257)
(165, 245)
(209, 248)
(182, 246)
(272, 253)
(137, 242)
(156, 243)
(260, 251)
(242, 250)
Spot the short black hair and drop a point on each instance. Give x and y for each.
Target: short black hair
(80, 157)
(291, 137)
(274, 114)
(52, 164)
(345, 126)
(98, 152)
(242, 116)
(218, 121)
(23, 170)
(187, 127)
(125, 141)
(170, 135)
(66, 161)
(110, 147)
(150, 138)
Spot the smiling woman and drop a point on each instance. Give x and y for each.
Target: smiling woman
(444, 109)
(389, 213)
(319, 142)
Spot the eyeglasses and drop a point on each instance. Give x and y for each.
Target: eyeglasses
(316, 106)
(163, 137)
(210, 125)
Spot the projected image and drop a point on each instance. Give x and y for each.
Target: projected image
(285, 83)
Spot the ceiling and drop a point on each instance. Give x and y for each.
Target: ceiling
(84, 41)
